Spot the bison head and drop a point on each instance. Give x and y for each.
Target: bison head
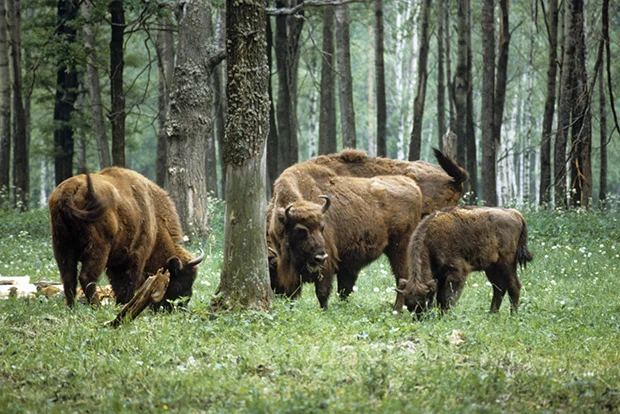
(303, 249)
(418, 295)
(181, 281)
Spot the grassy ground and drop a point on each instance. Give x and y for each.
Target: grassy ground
(560, 354)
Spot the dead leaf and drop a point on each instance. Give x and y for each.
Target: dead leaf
(457, 337)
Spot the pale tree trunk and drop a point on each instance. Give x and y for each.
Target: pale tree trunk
(94, 89)
(489, 151)
(418, 105)
(288, 32)
(471, 163)
(372, 141)
(189, 120)
(581, 128)
(313, 125)
(441, 84)
(5, 106)
(21, 175)
(449, 81)
(165, 69)
(602, 192)
(565, 107)
(117, 64)
(221, 102)
(345, 80)
(402, 71)
(244, 279)
(327, 117)
(502, 70)
(545, 141)
(273, 142)
(461, 82)
(380, 81)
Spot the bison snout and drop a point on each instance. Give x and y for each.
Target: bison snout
(320, 258)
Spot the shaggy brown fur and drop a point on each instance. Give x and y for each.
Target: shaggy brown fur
(367, 217)
(440, 185)
(450, 243)
(119, 220)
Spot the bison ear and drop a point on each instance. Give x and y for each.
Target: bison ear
(174, 264)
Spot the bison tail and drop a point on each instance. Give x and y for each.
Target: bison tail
(523, 254)
(451, 167)
(94, 209)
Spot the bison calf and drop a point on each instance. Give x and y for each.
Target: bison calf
(448, 244)
(120, 221)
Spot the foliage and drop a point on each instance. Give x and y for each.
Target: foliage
(558, 354)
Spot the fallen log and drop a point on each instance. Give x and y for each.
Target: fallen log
(153, 290)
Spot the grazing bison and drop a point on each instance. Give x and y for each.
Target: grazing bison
(120, 221)
(301, 185)
(452, 242)
(361, 219)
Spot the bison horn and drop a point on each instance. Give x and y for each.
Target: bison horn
(287, 211)
(328, 202)
(197, 260)
(272, 250)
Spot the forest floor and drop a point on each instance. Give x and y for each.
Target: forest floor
(561, 353)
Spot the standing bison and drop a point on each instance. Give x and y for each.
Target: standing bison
(355, 216)
(120, 221)
(450, 243)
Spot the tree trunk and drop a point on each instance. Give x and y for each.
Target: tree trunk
(66, 94)
(502, 70)
(327, 118)
(273, 170)
(372, 139)
(581, 128)
(565, 107)
(602, 192)
(92, 78)
(345, 79)
(5, 107)
(21, 175)
(380, 81)
(449, 81)
(441, 86)
(244, 279)
(221, 101)
(117, 65)
(165, 69)
(461, 82)
(471, 163)
(545, 141)
(489, 163)
(189, 120)
(418, 104)
(288, 31)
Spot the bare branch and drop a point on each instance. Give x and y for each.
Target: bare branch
(302, 6)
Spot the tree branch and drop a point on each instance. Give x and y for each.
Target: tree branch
(302, 6)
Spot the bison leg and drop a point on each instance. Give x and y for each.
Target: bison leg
(323, 289)
(397, 254)
(514, 289)
(503, 278)
(124, 280)
(346, 281)
(67, 265)
(89, 276)
(451, 288)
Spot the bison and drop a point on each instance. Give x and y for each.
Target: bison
(361, 219)
(120, 221)
(302, 184)
(448, 244)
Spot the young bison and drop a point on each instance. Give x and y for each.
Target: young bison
(450, 243)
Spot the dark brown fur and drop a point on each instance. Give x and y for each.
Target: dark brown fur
(120, 221)
(450, 243)
(303, 183)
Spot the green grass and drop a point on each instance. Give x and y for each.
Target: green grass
(560, 354)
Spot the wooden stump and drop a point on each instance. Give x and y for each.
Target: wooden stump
(153, 290)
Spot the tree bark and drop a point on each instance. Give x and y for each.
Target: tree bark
(117, 65)
(449, 81)
(489, 163)
(189, 120)
(372, 139)
(471, 163)
(345, 79)
(441, 83)
(288, 31)
(602, 192)
(545, 141)
(21, 175)
(327, 118)
(418, 104)
(94, 89)
(380, 81)
(165, 69)
(502, 70)
(565, 107)
(5, 106)
(461, 82)
(273, 170)
(581, 128)
(244, 280)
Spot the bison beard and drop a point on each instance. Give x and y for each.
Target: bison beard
(450, 243)
(303, 183)
(120, 221)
